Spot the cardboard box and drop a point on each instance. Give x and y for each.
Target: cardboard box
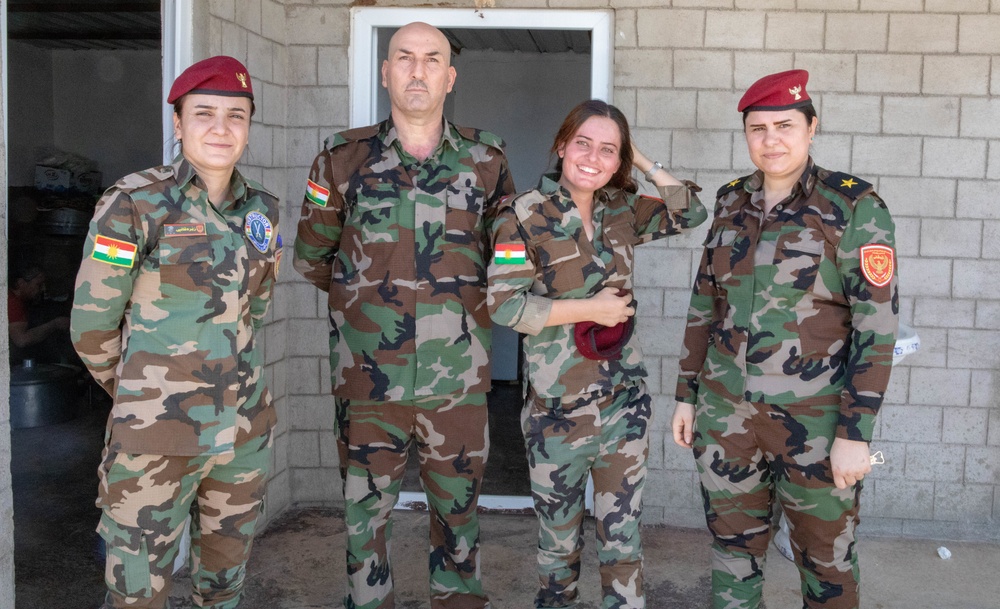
(88, 182)
(52, 178)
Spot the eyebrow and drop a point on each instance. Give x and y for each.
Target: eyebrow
(787, 120)
(209, 107)
(409, 52)
(590, 139)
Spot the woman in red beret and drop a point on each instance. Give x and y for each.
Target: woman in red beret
(176, 279)
(562, 274)
(787, 355)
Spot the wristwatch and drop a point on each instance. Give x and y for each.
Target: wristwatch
(649, 174)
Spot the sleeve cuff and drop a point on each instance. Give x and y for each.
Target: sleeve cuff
(535, 314)
(860, 427)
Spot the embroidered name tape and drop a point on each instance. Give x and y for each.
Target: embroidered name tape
(183, 230)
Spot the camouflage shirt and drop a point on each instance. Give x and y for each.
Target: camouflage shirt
(560, 262)
(782, 311)
(398, 244)
(170, 295)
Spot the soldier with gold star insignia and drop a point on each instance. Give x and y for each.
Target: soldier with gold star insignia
(787, 355)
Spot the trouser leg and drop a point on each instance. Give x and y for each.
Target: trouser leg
(378, 438)
(340, 430)
(453, 440)
(821, 518)
(736, 489)
(619, 473)
(229, 501)
(561, 446)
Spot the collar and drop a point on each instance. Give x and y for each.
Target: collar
(804, 185)
(387, 134)
(185, 175)
(549, 185)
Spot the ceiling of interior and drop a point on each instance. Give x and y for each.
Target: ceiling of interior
(90, 24)
(525, 41)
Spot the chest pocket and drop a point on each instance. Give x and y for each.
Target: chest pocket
(720, 245)
(463, 215)
(375, 213)
(185, 261)
(622, 239)
(796, 259)
(560, 264)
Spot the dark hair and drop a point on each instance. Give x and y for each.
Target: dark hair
(179, 105)
(807, 109)
(23, 272)
(577, 117)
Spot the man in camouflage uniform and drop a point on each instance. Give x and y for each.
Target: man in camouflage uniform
(392, 227)
(176, 279)
(787, 357)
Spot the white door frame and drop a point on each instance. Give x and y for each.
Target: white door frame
(177, 23)
(364, 82)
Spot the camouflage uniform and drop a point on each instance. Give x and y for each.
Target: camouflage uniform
(582, 416)
(788, 346)
(168, 301)
(398, 244)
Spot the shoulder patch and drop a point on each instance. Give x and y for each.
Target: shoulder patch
(729, 187)
(847, 184)
(351, 135)
(483, 137)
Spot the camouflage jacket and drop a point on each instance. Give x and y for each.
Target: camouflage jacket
(399, 246)
(782, 311)
(168, 302)
(560, 262)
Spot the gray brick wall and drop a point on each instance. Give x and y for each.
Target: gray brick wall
(908, 93)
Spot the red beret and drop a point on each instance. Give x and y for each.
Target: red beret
(781, 91)
(219, 75)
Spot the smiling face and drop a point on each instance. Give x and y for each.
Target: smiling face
(213, 130)
(590, 157)
(778, 141)
(418, 74)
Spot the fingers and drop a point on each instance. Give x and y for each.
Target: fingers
(682, 424)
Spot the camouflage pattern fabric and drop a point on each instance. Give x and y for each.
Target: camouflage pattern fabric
(168, 326)
(452, 440)
(145, 500)
(560, 262)
(788, 346)
(603, 435)
(399, 246)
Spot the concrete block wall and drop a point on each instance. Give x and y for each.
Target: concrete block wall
(908, 93)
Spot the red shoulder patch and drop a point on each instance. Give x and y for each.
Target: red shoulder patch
(878, 263)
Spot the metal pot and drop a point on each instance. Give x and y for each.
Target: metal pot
(42, 394)
(64, 221)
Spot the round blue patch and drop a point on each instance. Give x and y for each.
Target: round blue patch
(258, 230)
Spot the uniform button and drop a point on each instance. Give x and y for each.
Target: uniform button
(780, 207)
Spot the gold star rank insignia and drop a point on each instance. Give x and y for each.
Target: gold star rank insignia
(734, 182)
(848, 183)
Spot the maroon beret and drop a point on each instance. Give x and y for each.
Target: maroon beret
(219, 75)
(781, 91)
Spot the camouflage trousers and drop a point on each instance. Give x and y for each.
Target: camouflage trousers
(748, 454)
(452, 439)
(604, 436)
(145, 500)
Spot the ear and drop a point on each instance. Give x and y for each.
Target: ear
(177, 127)
(813, 127)
(561, 150)
(385, 69)
(452, 75)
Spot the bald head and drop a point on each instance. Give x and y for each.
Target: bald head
(418, 74)
(420, 33)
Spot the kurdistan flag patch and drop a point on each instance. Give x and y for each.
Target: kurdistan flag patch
(316, 193)
(113, 251)
(509, 253)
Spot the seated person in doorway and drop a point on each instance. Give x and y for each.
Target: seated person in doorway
(27, 287)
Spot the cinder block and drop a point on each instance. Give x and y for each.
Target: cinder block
(909, 6)
(828, 5)
(915, 33)
(981, 118)
(918, 197)
(921, 116)
(908, 423)
(328, 455)
(965, 425)
(886, 155)
(982, 465)
(303, 449)
(963, 75)
(720, 25)
(304, 376)
(333, 65)
(233, 41)
(676, 302)
(889, 73)
(954, 158)
(278, 498)
(963, 502)
(703, 69)
(626, 33)
(318, 25)
(663, 338)
(751, 65)
(993, 437)
(950, 238)
(944, 312)
(828, 71)
(832, 151)
(223, 9)
(666, 108)
(272, 24)
(939, 387)
(976, 279)
(934, 462)
(248, 16)
(879, 526)
(995, 78)
(993, 163)
(894, 467)
(974, 348)
(977, 199)
(671, 489)
(700, 149)
(717, 109)
(957, 6)
(317, 106)
(676, 457)
(907, 236)
(851, 114)
(933, 351)
(308, 337)
(315, 485)
(634, 66)
(279, 454)
(977, 34)
(653, 364)
(650, 299)
(988, 315)
(897, 390)
(761, 5)
(671, 28)
(794, 31)
(904, 499)
(313, 412)
(703, 3)
(302, 68)
(856, 31)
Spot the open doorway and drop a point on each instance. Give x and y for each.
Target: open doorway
(519, 73)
